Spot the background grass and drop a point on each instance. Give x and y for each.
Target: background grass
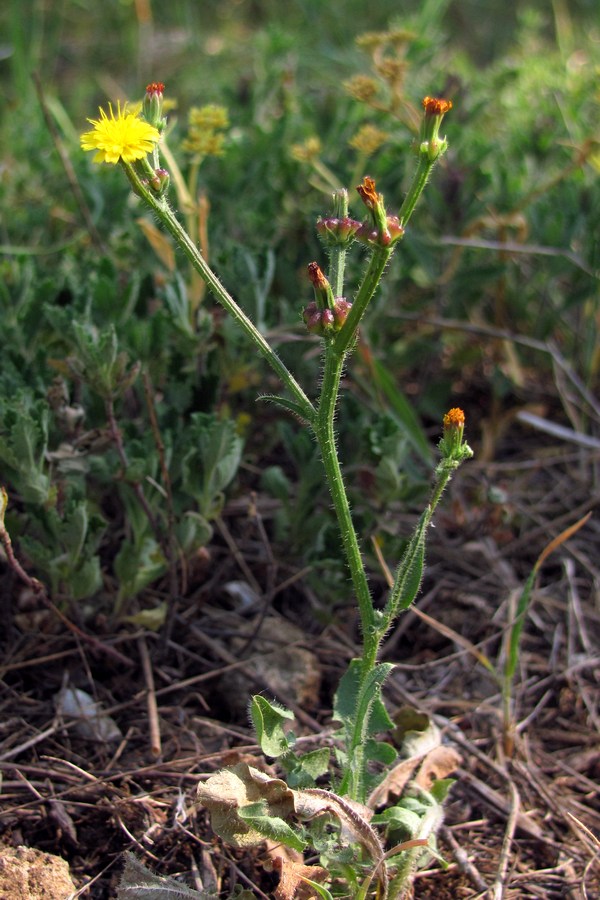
(519, 185)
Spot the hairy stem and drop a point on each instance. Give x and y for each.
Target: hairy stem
(171, 223)
(325, 433)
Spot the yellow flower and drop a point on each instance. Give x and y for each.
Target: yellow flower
(205, 123)
(306, 152)
(361, 87)
(368, 139)
(209, 117)
(124, 137)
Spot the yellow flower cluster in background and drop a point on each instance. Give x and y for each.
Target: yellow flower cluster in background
(306, 152)
(206, 125)
(368, 139)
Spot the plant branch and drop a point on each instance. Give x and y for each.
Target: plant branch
(168, 218)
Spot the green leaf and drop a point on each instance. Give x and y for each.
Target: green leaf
(86, 580)
(306, 769)
(516, 627)
(346, 696)
(270, 826)
(75, 532)
(409, 573)
(212, 462)
(399, 819)
(363, 715)
(290, 405)
(403, 411)
(139, 883)
(441, 788)
(268, 719)
(319, 889)
(23, 448)
(138, 565)
(381, 752)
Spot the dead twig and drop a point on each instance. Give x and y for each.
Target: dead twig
(509, 833)
(462, 859)
(153, 723)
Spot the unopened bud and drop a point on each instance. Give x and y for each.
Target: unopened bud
(322, 288)
(312, 318)
(337, 232)
(153, 104)
(452, 446)
(160, 182)
(326, 321)
(379, 231)
(431, 145)
(341, 308)
(393, 232)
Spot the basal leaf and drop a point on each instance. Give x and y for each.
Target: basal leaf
(268, 719)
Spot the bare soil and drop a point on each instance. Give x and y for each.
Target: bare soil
(523, 817)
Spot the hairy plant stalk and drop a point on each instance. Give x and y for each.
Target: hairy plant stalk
(168, 218)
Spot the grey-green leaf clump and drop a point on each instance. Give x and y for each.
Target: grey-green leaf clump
(138, 883)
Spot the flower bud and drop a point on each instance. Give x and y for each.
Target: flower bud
(322, 288)
(452, 447)
(327, 321)
(153, 104)
(431, 145)
(341, 308)
(337, 232)
(368, 194)
(312, 318)
(384, 230)
(394, 231)
(160, 182)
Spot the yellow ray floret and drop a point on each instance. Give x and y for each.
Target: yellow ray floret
(122, 137)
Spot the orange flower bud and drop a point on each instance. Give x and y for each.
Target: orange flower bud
(454, 418)
(367, 192)
(436, 107)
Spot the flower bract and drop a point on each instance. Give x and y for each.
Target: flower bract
(123, 137)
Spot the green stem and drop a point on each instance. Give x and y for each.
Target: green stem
(336, 271)
(410, 570)
(420, 179)
(337, 256)
(325, 434)
(166, 215)
(377, 263)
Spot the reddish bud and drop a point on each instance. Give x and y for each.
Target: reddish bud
(327, 320)
(160, 182)
(312, 318)
(337, 232)
(393, 232)
(341, 308)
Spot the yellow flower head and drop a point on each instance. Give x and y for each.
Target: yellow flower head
(306, 152)
(122, 137)
(368, 139)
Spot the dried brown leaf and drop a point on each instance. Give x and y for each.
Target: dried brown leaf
(224, 793)
(439, 763)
